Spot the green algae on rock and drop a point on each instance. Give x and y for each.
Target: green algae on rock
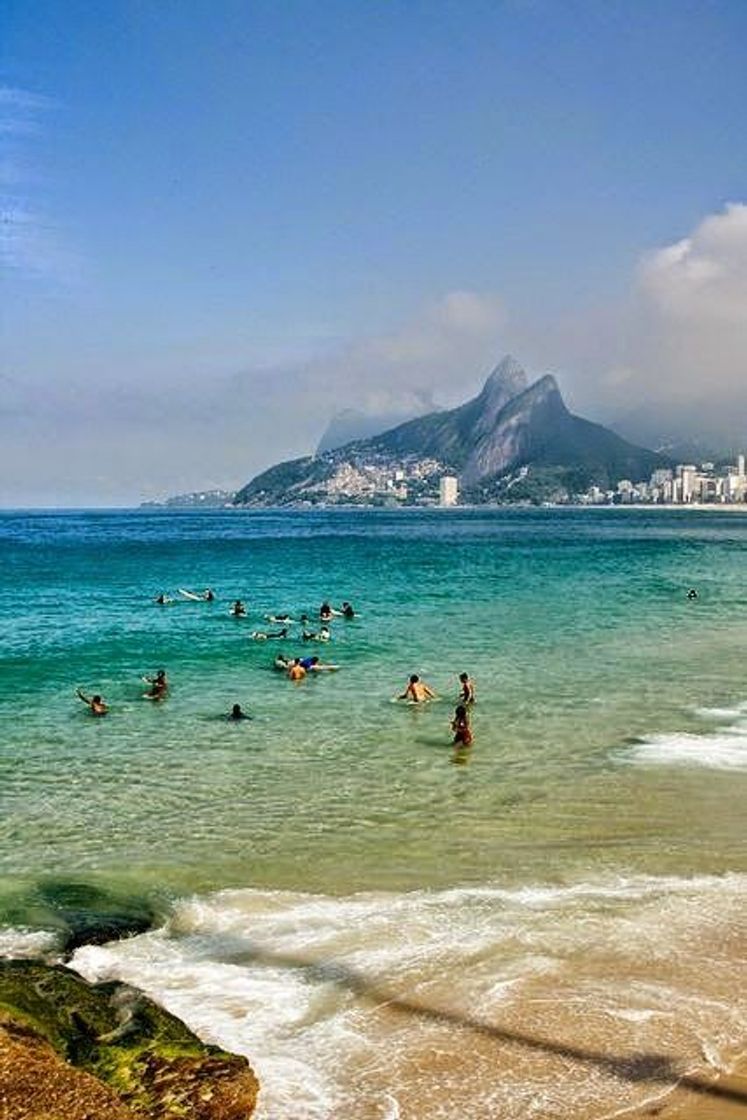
(111, 1050)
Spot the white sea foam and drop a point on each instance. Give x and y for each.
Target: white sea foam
(724, 751)
(18, 943)
(319, 992)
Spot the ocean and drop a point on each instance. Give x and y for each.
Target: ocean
(386, 927)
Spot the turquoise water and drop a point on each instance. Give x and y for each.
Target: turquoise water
(610, 747)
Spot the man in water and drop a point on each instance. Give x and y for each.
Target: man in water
(208, 595)
(314, 665)
(296, 671)
(238, 610)
(692, 593)
(323, 635)
(236, 713)
(417, 691)
(159, 686)
(263, 635)
(347, 610)
(163, 600)
(95, 703)
(466, 689)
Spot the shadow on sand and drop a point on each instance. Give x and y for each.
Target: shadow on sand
(656, 1069)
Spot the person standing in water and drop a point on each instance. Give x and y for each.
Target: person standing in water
(460, 725)
(296, 671)
(238, 610)
(159, 686)
(237, 713)
(95, 703)
(325, 612)
(466, 689)
(417, 691)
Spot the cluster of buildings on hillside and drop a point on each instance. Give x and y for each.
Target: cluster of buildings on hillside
(411, 480)
(685, 484)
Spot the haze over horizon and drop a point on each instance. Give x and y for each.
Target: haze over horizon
(224, 223)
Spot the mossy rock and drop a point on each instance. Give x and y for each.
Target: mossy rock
(80, 913)
(151, 1063)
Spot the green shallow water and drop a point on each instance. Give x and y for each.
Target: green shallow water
(574, 624)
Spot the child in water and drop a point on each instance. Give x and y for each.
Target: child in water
(460, 725)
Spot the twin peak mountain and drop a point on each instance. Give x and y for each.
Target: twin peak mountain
(510, 432)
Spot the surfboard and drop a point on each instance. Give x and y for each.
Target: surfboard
(191, 595)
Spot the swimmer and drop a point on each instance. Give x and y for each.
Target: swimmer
(417, 691)
(265, 635)
(95, 703)
(159, 686)
(163, 600)
(296, 672)
(323, 635)
(314, 665)
(692, 593)
(466, 689)
(208, 595)
(325, 612)
(282, 663)
(236, 713)
(460, 725)
(238, 610)
(347, 610)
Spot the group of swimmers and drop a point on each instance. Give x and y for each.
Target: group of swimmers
(298, 668)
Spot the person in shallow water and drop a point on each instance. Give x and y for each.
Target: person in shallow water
(159, 686)
(417, 691)
(466, 689)
(208, 595)
(460, 725)
(95, 703)
(163, 600)
(347, 610)
(692, 593)
(296, 671)
(237, 713)
(238, 610)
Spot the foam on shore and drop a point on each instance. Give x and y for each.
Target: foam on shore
(481, 1001)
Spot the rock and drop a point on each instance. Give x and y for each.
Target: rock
(80, 1051)
(81, 913)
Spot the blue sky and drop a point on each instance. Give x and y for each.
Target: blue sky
(210, 202)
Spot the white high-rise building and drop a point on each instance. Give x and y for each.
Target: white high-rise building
(448, 490)
(740, 465)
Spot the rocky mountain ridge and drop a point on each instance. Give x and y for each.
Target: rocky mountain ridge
(510, 425)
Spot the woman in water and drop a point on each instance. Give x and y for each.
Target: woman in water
(460, 725)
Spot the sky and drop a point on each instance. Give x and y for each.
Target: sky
(223, 222)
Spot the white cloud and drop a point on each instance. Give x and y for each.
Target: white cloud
(703, 277)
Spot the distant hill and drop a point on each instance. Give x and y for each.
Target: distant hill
(352, 424)
(509, 425)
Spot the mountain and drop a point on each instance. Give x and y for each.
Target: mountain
(510, 425)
